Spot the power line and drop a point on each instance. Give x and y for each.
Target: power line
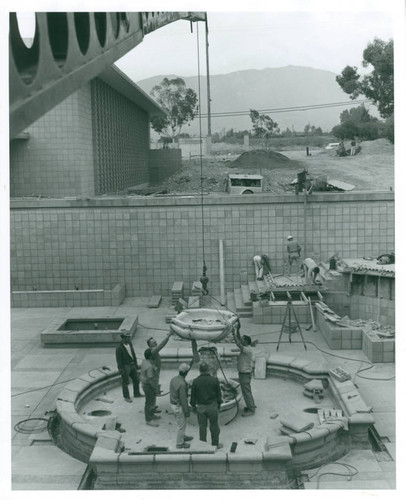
(223, 114)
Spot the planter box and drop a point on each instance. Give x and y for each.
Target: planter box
(339, 337)
(378, 350)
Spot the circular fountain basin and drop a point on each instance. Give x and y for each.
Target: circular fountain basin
(211, 325)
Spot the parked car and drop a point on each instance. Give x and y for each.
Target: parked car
(332, 145)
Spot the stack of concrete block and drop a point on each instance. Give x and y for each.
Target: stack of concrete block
(177, 292)
(196, 294)
(314, 389)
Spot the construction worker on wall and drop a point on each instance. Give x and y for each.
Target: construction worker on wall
(262, 266)
(294, 250)
(311, 272)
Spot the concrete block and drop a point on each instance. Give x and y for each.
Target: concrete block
(110, 442)
(245, 462)
(280, 359)
(279, 453)
(388, 357)
(346, 344)
(356, 344)
(136, 463)
(213, 463)
(172, 463)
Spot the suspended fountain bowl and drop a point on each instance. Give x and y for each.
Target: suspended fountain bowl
(211, 325)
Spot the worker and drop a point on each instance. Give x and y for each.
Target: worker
(386, 258)
(127, 366)
(178, 389)
(262, 266)
(206, 399)
(245, 365)
(150, 386)
(294, 250)
(156, 357)
(353, 145)
(311, 271)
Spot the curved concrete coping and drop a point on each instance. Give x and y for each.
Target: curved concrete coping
(80, 436)
(77, 434)
(345, 393)
(108, 453)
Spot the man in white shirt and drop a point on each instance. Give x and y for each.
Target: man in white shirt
(245, 365)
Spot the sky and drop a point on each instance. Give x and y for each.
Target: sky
(320, 34)
(257, 40)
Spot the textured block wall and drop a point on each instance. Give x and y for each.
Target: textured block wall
(149, 243)
(57, 159)
(163, 163)
(121, 138)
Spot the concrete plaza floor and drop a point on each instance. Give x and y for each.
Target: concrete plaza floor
(38, 374)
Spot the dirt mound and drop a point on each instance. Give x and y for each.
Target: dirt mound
(262, 159)
(379, 146)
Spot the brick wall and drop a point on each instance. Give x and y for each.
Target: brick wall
(163, 163)
(149, 243)
(57, 159)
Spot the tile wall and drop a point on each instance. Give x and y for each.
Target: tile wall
(149, 243)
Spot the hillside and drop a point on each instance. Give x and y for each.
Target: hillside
(270, 88)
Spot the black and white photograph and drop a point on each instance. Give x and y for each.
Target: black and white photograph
(198, 245)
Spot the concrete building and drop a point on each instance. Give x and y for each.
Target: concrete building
(94, 142)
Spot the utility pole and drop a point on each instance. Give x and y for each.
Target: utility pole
(208, 80)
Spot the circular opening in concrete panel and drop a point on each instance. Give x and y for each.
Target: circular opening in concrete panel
(99, 413)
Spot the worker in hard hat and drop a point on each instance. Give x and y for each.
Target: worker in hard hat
(294, 250)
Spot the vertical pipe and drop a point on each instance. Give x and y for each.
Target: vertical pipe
(222, 289)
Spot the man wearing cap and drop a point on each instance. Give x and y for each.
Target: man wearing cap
(178, 389)
(294, 250)
(206, 397)
(127, 366)
(149, 380)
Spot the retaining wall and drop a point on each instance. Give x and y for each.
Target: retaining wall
(149, 243)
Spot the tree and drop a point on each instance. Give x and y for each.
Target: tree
(178, 101)
(312, 130)
(357, 123)
(263, 127)
(377, 85)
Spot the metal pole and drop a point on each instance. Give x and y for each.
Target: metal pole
(222, 287)
(208, 80)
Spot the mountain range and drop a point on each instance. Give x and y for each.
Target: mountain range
(266, 90)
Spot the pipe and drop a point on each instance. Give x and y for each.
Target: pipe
(222, 288)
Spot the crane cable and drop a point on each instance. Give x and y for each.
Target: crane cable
(203, 279)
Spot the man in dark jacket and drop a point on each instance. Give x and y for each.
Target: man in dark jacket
(127, 366)
(206, 397)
